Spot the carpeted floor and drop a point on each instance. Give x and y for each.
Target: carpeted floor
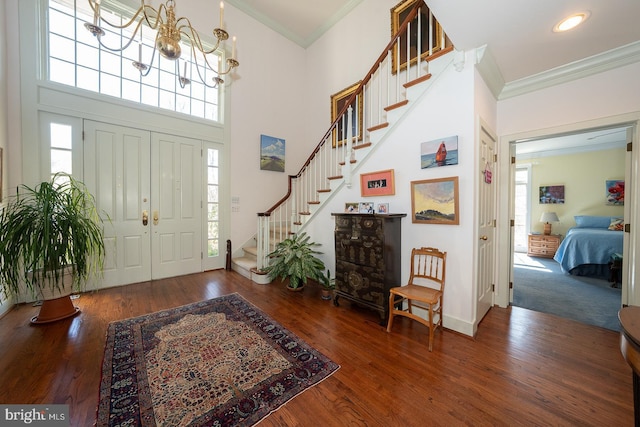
(217, 362)
(540, 285)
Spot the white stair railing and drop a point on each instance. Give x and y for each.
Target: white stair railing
(382, 90)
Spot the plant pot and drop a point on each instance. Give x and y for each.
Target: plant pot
(298, 289)
(57, 305)
(326, 294)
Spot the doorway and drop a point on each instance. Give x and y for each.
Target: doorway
(150, 186)
(579, 163)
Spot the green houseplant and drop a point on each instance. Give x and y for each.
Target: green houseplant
(51, 243)
(295, 258)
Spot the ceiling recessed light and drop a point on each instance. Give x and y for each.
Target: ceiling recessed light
(571, 22)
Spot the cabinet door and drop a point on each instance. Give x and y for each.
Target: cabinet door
(364, 283)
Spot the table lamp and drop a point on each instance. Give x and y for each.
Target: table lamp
(548, 218)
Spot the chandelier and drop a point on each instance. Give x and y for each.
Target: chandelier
(171, 33)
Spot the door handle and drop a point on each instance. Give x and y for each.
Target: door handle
(483, 238)
(145, 217)
(155, 217)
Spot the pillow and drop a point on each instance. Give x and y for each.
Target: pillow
(617, 224)
(590, 221)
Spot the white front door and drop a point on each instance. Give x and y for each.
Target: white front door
(149, 186)
(486, 224)
(116, 165)
(176, 218)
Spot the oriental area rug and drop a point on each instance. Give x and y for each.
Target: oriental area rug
(220, 362)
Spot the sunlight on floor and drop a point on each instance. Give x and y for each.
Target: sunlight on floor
(521, 260)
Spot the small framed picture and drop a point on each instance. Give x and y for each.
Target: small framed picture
(379, 183)
(383, 208)
(351, 207)
(366, 207)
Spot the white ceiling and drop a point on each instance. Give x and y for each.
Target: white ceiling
(518, 33)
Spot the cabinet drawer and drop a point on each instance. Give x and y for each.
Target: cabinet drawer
(362, 282)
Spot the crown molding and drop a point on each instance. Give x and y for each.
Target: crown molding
(277, 27)
(615, 58)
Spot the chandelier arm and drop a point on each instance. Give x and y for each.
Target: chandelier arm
(148, 70)
(158, 15)
(194, 37)
(202, 79)
(131, 21)
(230, 66)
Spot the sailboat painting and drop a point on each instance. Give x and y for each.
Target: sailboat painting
(439, 152)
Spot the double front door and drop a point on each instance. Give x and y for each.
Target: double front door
(149, 188)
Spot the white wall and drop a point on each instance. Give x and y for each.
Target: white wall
(445, 110)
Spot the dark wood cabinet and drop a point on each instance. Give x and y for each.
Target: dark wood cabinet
(367, 258)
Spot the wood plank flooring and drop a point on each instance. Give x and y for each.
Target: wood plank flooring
(522, 368)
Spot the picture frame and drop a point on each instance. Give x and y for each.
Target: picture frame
(380, 183)
(435, 201)
(351, 207)
(614, 192)
(366, 207)
(383, 208)
(439, 152)
(338, 101)
(398, 14)
(272, 153)
(551, 194)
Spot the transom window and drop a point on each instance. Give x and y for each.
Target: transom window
(75, 58)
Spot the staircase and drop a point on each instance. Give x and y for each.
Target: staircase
(372, 111)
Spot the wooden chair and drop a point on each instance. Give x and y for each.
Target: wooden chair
(425, 290)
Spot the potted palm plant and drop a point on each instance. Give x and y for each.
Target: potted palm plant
(51, 243)
(295, 259)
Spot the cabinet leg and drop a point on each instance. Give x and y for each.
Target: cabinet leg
(335, 301)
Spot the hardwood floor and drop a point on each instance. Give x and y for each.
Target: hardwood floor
(523, 367)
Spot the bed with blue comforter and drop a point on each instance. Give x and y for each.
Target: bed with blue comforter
(587, 250)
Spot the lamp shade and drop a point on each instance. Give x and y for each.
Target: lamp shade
(549, 217)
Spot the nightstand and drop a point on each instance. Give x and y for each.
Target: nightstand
(543, 245)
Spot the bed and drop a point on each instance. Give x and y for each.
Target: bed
(587, 248)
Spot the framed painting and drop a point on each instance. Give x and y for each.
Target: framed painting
(430, 34)
(435, 201)
(271, 153)
(338, 102)
(379, 183)
(551, 194)
(439, 152)
(615, 192)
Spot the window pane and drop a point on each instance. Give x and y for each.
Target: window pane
(61, 72)
(213, 229)
(167, 100)
(61, 161)
(60, 136)
(110, 63)
(213, 247)
(87, 55)
(131, 90)
(63, 48)
(110, 85)
(212, 177)
(149, 95)
(88, 79)
(212, 193)
(61, 24)
(212, 212)
(212, 157)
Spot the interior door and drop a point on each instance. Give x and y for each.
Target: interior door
(116, 165)
(176, 176)
(486, 224)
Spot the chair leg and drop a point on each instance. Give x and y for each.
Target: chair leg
(430, 327)
(391, 307)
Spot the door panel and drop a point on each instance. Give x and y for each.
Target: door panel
(486, 225)
(117, 173)
(176, 173)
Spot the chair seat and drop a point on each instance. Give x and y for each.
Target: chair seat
(417, 293)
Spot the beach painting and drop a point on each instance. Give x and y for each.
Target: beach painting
(271, 153)
(439, 152)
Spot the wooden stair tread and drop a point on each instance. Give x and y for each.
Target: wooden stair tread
(396, 105)
(360, 146)
(337, 176)
(376, 127)
(325, 190)
(417, 81)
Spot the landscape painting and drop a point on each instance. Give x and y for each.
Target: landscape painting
(439, 152)
(271, 153)
(435, 201)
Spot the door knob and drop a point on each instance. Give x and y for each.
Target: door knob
(145, 217)
(155, 217)
(483, 238)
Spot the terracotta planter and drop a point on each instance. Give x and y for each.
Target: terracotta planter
(57, 305)
(326, 294)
